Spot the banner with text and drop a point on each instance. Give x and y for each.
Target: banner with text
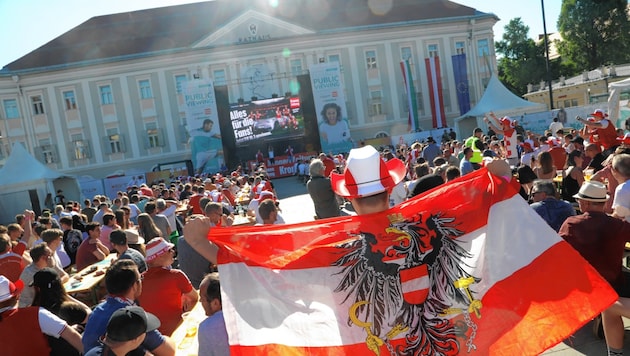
(203, 126)
(330, 104)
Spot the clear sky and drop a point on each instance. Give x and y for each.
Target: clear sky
(28, 24)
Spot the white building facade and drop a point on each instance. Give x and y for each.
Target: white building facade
(92, 110)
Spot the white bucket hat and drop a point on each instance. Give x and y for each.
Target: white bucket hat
(367, 174)
(592, 191)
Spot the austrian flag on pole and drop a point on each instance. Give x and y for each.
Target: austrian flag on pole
(467, 268)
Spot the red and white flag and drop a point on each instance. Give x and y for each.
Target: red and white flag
(435, 90)
(467, 268)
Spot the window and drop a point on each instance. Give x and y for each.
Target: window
(145, 89)
(433, 50)
(11, 109)
(334, 58)
(370, 59)
(153, 136)
(574, 102)
(460, 48)
(115, 141)
(46, 151)
(70, 100)
(37, 104)
(106, 94)
(482, 48)
(376, 104)
(219, 77)
(180, 82)
(80, 147)
(296, 66)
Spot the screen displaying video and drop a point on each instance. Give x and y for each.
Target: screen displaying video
(266, 120)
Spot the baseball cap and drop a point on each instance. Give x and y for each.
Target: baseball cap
(130, 322)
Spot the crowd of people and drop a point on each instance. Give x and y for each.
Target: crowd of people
(165, 264)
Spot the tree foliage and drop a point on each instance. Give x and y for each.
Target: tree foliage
(523, 61)
(594, 33)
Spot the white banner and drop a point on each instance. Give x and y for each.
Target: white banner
(90, 188)
(330, 105)
(203, 126)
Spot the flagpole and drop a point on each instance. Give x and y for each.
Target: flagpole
(542, 5)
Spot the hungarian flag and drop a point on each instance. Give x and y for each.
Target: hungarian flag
(435, 90)
(467, 268)
(411, 96)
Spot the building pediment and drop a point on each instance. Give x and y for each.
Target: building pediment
(251, 26)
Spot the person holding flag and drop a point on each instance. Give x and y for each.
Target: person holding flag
(413, 279)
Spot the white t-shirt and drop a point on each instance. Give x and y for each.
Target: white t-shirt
(621, 203)
(337, 133)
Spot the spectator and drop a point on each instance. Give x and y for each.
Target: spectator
(51, 295)
(466, 166)
(91, 250)
(320, 191)
(166, 291)
(158, 219)
(268, 212)
(600, 239)
(36, 322)
(552, 210)
(124, 286)
(11, 264)
(118, 239)
(126, 330)
(41, 256)
(212, 334)
(53, 238)
(573, 177)
(621, 172)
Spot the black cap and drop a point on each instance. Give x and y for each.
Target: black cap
(44, 278)
(118, 237)
(130, 322)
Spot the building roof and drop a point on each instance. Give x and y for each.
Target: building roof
(178, 28)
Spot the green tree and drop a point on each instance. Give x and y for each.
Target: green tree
(522, 61)
(594, 33)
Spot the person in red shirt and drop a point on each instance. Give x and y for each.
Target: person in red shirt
(166, 291)
(194, 201)
(11, 264)
(602, 130)
(328, 163)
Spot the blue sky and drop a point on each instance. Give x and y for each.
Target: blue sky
(28, 24)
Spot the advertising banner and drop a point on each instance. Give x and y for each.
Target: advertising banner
(330, 104)
(203, 126)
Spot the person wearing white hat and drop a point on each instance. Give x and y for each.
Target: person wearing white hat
(368, 179)
(601, 239)
(166, 291)
(14, 322)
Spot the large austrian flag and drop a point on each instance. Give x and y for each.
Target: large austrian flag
(468, 268)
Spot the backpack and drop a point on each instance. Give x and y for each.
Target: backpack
(71, 241)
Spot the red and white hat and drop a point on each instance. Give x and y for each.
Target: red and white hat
(599, 113)
(157, 247)
(265, 194)
(9, 289)
(625, 139)
(367, 174)
(506, 121)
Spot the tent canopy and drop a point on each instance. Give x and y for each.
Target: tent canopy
(615, 90)
(21, 166)
(26, 183)
(499, 99)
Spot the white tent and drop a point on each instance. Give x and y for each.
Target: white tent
(615, 90)
(498, 99)
(25, 182)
